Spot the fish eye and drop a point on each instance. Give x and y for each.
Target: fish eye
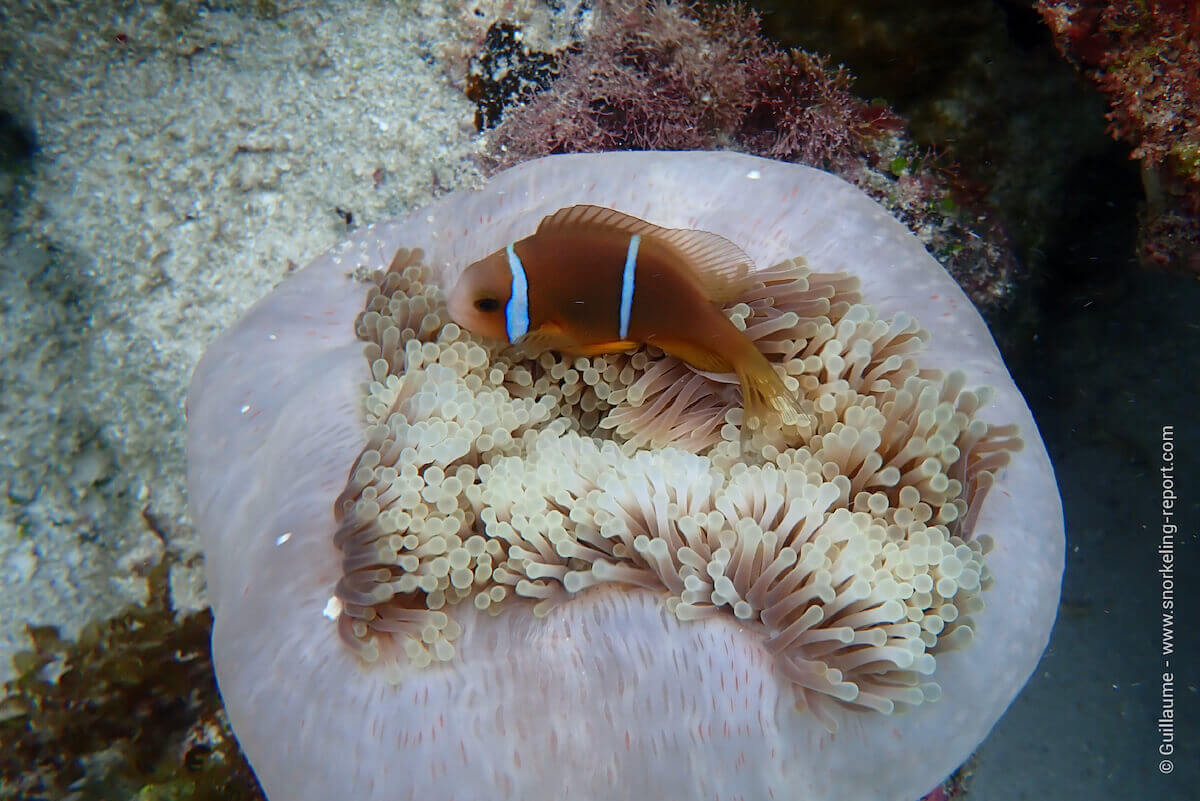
(487, 304)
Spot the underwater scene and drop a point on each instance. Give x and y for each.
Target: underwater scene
(599, 400)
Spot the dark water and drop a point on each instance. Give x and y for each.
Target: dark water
(1107, 355)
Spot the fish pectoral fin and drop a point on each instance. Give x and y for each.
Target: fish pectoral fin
(696, 355)
(600, 348)
(549, 336)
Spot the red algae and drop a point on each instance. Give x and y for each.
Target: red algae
(677, 76)
(1144, 55)
(682, 76)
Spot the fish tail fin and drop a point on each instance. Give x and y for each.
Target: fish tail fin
(765, 395)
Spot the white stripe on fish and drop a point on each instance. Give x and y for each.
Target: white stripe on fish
(627, 284)
(516, 311)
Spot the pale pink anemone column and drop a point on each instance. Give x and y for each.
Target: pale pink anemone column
(609, 696)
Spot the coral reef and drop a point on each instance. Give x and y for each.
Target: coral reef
(676, 76)
(1145, 56)
(129, 709)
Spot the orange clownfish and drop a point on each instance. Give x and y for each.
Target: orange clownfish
(592, 280)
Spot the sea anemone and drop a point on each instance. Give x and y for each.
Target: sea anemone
(443, 570)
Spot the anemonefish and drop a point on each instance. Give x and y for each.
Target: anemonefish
(593, 280)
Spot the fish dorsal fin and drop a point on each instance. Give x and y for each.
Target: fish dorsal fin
(722, 268)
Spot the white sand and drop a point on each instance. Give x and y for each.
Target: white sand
(180, 175)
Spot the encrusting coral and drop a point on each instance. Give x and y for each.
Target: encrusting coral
(493, 576)
(489, 478)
